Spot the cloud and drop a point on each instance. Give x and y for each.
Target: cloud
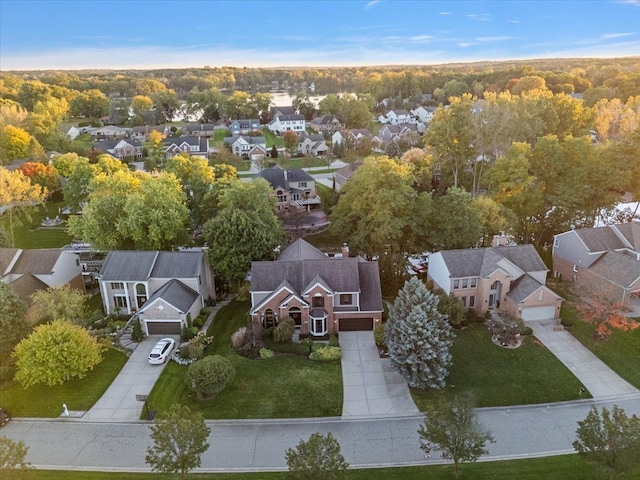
(479, 17)
(609, 36)
(513, 21)
(635, 3)
(444, 13)
(494, 39)
(421, 38)
(372, 3)
(467, 44)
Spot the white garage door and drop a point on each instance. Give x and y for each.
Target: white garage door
(538, 313)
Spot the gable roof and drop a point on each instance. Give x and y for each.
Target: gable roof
(631, 233)
(6, 257)
(617, 267)
(136, 265)
(325, 120)
(278, 177)
(523, 287)
(27, 285)
(176, 294)
(37, 261)
(282, 111)
(482, 262)
(288, 118)
(249, 139)
(300, 250)
(347, 171)
(600, 239)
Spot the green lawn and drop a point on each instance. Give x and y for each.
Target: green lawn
(302, 162)
(620, 351)
(78, 394)
(218, 136)
(282, 387)
(498, 376)
(29, 234)
(272, 139)
(566, 467)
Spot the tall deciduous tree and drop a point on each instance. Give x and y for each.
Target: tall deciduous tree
(13, 459)
(452, 428)
(291, 141)
(17, 193)
(611, 440)
(245, 229)
(179, 440)
(155, 151)
(318, 458)
(456, 221)
(13, 326)
(63, 303)
(419, 337)
(54, 353)
(14, 143)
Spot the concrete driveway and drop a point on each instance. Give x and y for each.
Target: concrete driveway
(137, 377)
(595, 375)
(371, 387)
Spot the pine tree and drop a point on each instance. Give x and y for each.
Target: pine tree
(419, 337)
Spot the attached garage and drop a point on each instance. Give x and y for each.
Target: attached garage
(163, 327)
(355, 324)
(538, 313)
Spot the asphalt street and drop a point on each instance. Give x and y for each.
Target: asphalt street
(250, 445)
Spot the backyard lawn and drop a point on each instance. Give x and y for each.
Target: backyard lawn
(29, 234)
(78, 394)
(282, 387)
(498, 376)
(565, 467)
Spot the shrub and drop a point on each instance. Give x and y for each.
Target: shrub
(238, 338)
(266, 354)
(198, 322)
(526, 331)
(308, 343)
(326, 354)
(291, 348)
(243, 292)
(136, 331)
(333, 340)
(247, 351)
(567, 322)
(190, 351)
(188, 333)
(201, 340)
(209, 376)
(267, 333)
(284, 331)
(464, 322)
(378, 335)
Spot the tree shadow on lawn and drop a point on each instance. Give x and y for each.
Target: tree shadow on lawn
(497, 376)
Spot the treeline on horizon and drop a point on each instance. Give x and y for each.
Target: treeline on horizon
(593, 77)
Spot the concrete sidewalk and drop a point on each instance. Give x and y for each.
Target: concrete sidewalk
(370, 386)
(595, 375)
(137, 377)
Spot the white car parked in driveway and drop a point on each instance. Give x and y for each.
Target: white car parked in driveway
(161, 351)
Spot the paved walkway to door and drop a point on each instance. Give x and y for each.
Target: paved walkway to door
(371, 387)
(594, 374)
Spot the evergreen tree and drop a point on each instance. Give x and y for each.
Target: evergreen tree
(419, 337)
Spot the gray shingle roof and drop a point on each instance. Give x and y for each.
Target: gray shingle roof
(300, 250)
(6, 256)
(37, 261)
(482, 262)
(370, 297)
(135, 265)
(524, 256)
(600, 239)
(276, 176)
(250, 140)
(175, 293)
(522, 288)
(289, 117)
(617, 267)
(631, 233)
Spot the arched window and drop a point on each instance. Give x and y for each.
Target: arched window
(141, 294)
(296, 314)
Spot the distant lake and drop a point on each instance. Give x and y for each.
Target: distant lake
(283, 99)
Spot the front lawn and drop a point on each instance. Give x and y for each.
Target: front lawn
(498, 376)
(564, 467)
(272, 139)
(29, 234)
(285, 386)
(78, 394)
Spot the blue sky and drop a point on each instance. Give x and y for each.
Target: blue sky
(50, 34)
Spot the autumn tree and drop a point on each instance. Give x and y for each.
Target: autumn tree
(54, 353)
(452, 428)
(89, 104)
(42, 174)
(155, 151)
(291, 141)
(17, 194)
(419, 337)
(179, 440)
(318, 458)
(14, 144)
(63, 303)
(610, 440)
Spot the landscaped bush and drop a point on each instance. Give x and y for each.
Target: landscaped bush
(248, 351)
(198, 322)
(209, 376)
(378, 335)
(266, 354)
(190, 351)
(291, 348)
(267, 333)
(188, 333)
(238, 338)
(136, 331)
(326, 354)
(567, 322)
(202, 340)
(333, 340)
(526, 331)
(284, 331)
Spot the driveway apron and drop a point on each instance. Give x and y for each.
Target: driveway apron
(596, 377)
(371, 387)
(137, 377)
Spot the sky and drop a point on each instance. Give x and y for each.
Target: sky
(128, 34)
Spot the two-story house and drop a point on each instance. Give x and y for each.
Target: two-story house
(355, 136)
(608, 256)
(163, 288)
(199, 129)
(397, 117)
(252, 148)
(124, 148)
(424, 114)
(509, 278)
(110, 132)
(195, 146)
(326, 124)
(313, 144)
(285, 123)
(30, 270)
(323, 295)
(244, 126)
(390, 132)
(140, 133)
(292, 188)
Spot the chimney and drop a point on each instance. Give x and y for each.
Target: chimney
(345, 250)
(285, 174)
